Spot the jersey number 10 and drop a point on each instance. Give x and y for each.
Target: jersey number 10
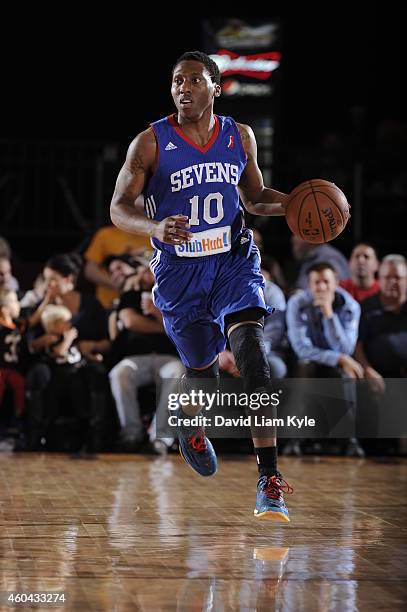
(194, 218)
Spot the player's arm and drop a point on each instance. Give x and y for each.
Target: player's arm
(132, 179)
(257, 199)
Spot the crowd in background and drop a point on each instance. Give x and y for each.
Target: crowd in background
(83, 350)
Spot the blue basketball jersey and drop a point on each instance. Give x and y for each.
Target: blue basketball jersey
(200, 183)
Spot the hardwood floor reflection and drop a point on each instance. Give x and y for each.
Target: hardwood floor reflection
(136, 533)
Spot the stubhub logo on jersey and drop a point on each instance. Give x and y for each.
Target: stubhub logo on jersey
(211, 172)
(210, 242)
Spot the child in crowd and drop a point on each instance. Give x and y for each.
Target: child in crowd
(56, 320)
(13, 349)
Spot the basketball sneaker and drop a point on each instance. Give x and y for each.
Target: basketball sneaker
(269, 499)
(196, 450)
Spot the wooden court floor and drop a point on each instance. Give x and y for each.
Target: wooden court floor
(131, 533)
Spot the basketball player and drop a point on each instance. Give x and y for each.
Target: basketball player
(191, 167)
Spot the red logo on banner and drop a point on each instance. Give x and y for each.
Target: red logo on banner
(258, 66)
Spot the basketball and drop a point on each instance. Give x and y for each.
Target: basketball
(317, 211)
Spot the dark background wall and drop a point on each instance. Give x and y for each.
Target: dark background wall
(104, 83)
(84, 84)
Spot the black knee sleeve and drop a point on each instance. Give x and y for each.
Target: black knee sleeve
(206, 380)
(249, 351)
(247, 314)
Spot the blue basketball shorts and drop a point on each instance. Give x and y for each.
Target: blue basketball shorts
(194, 296)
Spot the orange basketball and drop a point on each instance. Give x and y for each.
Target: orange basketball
(317, 211)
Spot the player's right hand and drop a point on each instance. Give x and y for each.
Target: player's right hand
(173, 230)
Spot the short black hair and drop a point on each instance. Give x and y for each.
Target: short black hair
(366, 243)
(65, 264)
(198, 56)
(320, 266)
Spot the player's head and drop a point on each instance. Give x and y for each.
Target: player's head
(393, 278)
(195, 84)
(322, 279)
(363, 262)
(9, 304)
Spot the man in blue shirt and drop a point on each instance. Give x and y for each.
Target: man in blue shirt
(322, 324)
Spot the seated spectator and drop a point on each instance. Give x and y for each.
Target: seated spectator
(142, 279)
(7, 280)
(275, 328)
(382, 344)
(309, 254)
(90, 320)
(274, 271)
(269, 262)
(13, 350)
(363, 266)
(111, 240)
(5, 268)
(322, 325)
(145, 356)
(88, 316)
(258, 239)
(122, 267)
(56, 320)
(68, 377)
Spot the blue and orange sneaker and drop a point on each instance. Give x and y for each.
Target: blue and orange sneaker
(270, 504)
(197, 451)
